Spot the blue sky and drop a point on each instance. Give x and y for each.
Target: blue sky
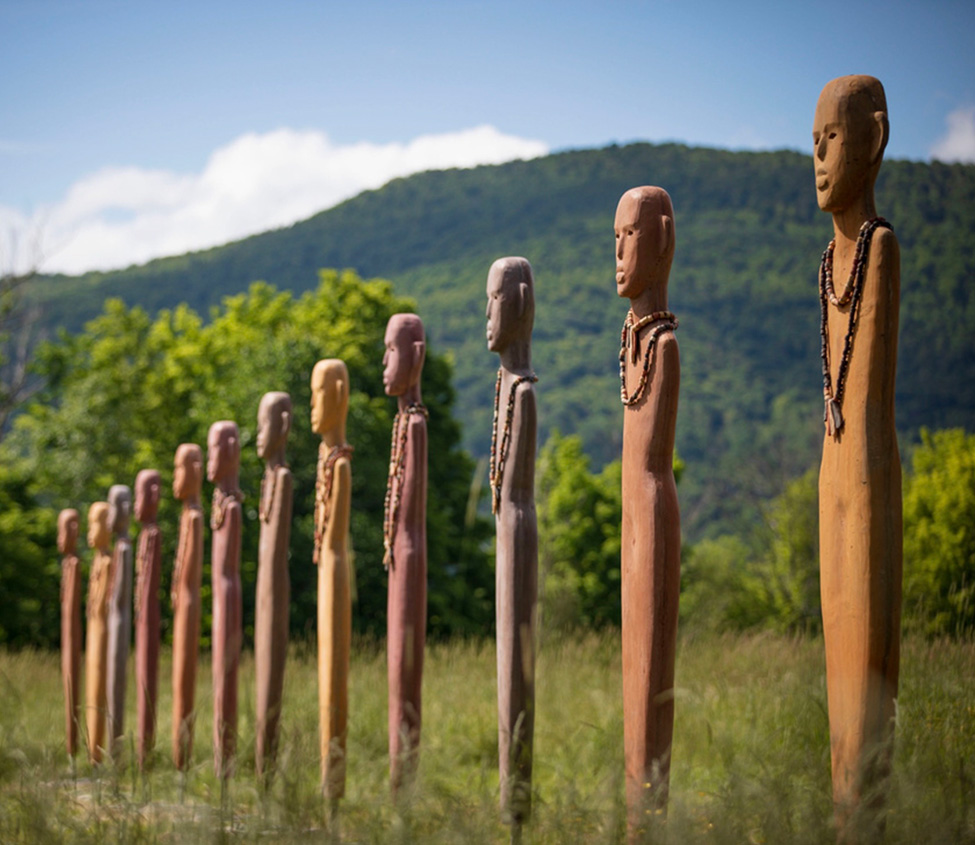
(135, 129)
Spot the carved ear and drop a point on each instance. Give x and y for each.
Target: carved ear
(667, 235)
(285, 423)
(522, 298)
(340, 389)
(419, 353)
(881, 134)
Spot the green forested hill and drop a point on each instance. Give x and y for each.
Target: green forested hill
(749, 237)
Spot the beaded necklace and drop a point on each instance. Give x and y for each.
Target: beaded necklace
(852, 294)
(629, 339)
(221, 501)
(394, 481)
(323, 491)
(499, 456)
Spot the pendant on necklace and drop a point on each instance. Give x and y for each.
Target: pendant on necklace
(833, 417)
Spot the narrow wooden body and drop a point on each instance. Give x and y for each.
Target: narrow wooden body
(187, 579)
(860, 539)
(148, 555)
(71, 647)
(227, 635)
(96, 655)
(271, 618)
(335, 633)
(516, 582)
(407, 609)
(650, 576)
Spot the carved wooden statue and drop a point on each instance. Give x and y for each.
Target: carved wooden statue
(119, 611)
(96, 643)
(333, 495)
(860, 529)
(510, 315)
(223, 462)
(273, 584)
(70, 624)
(147, 564)
(405, 541)
(650, 552)
(185, 596)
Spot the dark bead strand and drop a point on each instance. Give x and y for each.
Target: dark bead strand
(394, 480)
(852, 294)
(323, 491)
(499, 456)
(628, 338)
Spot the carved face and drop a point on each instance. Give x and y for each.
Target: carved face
(187, 471)
(272, 427)
(503, 304)
(119, 508)
(843, 148)
(68, 532)
(221, 451)
(638, 246)
(319, 400)
(147, 486)
(398, 359)
(99, 536)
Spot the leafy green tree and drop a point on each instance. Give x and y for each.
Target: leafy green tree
(29, 571)
(939, 533)
(122, 395)
(768, 577)
(579, 536)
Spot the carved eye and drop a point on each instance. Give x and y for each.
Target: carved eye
(832, 135)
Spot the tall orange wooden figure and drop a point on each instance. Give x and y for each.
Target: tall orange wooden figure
(860, 528)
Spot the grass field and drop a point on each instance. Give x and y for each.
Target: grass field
(750, 758)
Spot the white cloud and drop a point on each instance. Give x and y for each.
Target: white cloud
(958, 143)
(126, 215)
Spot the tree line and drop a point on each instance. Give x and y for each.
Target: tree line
(124, 393)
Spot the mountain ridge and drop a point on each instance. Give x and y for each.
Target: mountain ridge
(749, 238)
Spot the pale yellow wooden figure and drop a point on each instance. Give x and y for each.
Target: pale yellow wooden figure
(333, 495)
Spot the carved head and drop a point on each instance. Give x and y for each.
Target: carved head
(510, 302)
(273, 424)
(147, 491)
(99, 531)
(645, 240)
(850, 132)
(68, 531)
(223, 451)
(329, 394)
(405, 351)
(119, 508)
(188, 471)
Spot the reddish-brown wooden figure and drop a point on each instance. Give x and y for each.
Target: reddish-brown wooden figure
(185, 597)
(273, 583)
(96, 643)
(405, 541)
(119, 611)
(650, 541)
(223, 462)
(860, 529)
(147, 564)
(70, 624)
(333, 496)
(510, 316)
